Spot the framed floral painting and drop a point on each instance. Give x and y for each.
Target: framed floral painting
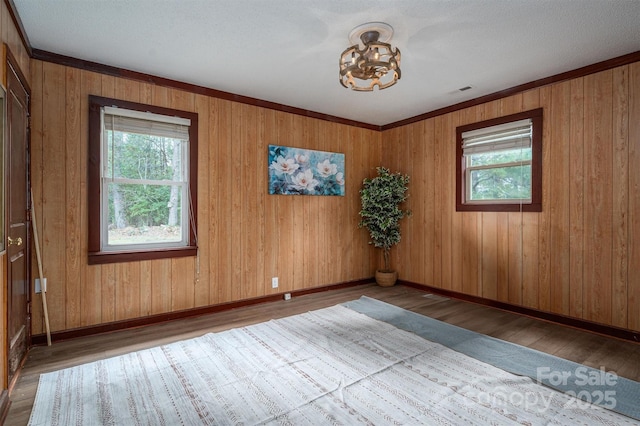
(296, 171)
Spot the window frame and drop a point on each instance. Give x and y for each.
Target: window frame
(94, 186)
(535, 205)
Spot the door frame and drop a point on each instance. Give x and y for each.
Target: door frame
(10, 65)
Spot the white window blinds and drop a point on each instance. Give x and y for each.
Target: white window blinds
(146, 123)
(516, 134)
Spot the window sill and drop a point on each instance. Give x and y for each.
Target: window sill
(505, 207)
(102, 257)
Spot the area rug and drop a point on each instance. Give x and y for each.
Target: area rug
(588, 384)
(331, 366)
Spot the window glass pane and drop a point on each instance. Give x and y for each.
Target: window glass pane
(134, 156)
(500, 157)
(501, 183)
(142, 214)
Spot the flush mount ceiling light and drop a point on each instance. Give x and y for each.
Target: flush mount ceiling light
(375, 64)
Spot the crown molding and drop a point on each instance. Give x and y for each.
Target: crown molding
(192, 88)
(569, 75)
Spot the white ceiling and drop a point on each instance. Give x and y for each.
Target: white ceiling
(286, 51)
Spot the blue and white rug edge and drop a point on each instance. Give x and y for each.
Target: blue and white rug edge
(592, 385)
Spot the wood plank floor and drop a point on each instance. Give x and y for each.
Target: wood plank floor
(586, 348)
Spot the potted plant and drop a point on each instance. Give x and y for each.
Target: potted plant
(381, 198)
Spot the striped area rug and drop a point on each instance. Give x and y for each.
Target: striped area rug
(331, 366)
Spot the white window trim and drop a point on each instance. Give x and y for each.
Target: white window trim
(105, 179)
(470, 169)
(501, 137)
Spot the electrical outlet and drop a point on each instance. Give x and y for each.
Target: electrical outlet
(274, 282)
(39, 286)
(287, 296)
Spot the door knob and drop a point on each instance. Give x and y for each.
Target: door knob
(16, 241)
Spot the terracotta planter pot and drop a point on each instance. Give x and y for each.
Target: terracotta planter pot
(386, 279)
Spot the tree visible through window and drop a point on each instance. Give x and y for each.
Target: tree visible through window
(499, 164)
(146, 181)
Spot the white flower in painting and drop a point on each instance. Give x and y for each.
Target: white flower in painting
(304, 180)
(327, 169)
(301, 159)
(340, 178)
(284, 165)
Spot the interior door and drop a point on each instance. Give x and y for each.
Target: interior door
(17, 187)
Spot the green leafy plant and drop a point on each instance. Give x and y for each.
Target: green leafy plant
(381, 212)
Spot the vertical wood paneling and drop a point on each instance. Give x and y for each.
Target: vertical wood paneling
(576, 199)
(352, 251)
(37, 323)
(73, 201)
(161, 290)
(53, 233)
(502, 256)
(559, 195)
(358, 157)
(211, 198)
(223, 208)
(235, 207)
(516, 256)
(250, 232)
(127, 292)
(633, 271)
(201, 284)
(578, 257)
(146, 288)
(428, 189)
(530, 270)
(108, 293)
(260, 188)
(272, 242)
(489, 250)
(455, 234)
(620, 194)
(598, 198)
(544, 218)
(413, 245)
(442, 221)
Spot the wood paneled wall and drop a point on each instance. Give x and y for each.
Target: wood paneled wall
(245, 235)
(580, 257)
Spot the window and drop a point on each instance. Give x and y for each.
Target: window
(141, 181)
(499, 164)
